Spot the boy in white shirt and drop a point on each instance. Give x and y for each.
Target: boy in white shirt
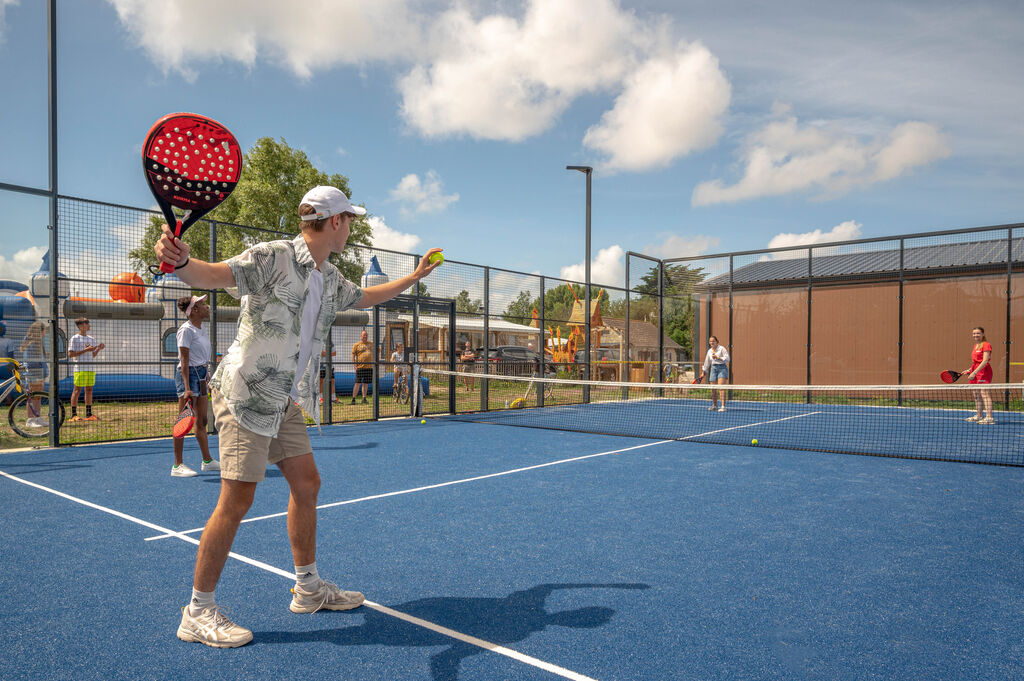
(83, 349)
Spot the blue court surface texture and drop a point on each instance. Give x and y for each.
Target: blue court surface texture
(494, 552)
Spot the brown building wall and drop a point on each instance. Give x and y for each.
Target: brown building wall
(938, 316)
(854, 334)
(769, 337)
(855, 330)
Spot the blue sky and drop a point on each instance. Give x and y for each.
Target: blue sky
(712, 126)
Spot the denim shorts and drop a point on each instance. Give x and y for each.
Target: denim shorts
(197, 381)
(718, 371)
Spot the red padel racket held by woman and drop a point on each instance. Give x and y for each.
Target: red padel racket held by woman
(950, 376)
(186, 419)
(191, 162)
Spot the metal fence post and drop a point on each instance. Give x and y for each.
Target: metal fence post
(485, 398)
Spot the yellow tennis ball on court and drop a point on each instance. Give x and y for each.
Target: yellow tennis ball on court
(754, 441)
(423, 420)
(436, 257)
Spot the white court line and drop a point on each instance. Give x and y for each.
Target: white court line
(451, 633)
(172, 533)
(750, 425)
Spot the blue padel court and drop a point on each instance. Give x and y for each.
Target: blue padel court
(493, 552)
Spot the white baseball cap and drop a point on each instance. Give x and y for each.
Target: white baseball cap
(328, 201)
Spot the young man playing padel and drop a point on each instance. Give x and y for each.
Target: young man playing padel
(289, 296)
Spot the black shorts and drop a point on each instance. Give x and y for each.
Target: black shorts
(364, 375)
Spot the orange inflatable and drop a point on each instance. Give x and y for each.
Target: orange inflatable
(127, 287)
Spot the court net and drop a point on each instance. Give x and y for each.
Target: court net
(912, 421)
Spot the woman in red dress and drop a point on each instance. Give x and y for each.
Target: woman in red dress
(981, 372)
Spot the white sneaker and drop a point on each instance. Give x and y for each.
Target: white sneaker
(722, 408)
(36, 422)
(713, 408)
(182, 471)
(213, 628)
(326, 597)
(211, 465)
(987, 421)
(973, 419)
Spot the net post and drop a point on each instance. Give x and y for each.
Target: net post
(625, 332)
(416, 390)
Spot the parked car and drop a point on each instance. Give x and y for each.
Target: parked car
(514, 360)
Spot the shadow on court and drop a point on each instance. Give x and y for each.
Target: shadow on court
(503, 621)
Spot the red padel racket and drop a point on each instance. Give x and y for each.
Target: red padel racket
(186, 419)
(950, 376)
(191, 162)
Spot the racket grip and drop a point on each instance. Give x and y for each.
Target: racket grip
(165, 267)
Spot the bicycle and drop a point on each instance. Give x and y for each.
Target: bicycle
(401, 390)
(29, 413)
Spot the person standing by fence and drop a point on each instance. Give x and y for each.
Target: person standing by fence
(191, 380)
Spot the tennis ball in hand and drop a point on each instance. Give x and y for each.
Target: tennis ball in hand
(436, 257)
(754, 441)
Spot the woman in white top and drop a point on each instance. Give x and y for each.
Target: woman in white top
(191, 378)
(716, 366)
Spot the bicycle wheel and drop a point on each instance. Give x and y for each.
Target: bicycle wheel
(29, 415)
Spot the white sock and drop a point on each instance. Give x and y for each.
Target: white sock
(306, 575)
(200, 601)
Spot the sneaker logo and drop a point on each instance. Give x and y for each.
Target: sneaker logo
(195, 601)
(308, 574)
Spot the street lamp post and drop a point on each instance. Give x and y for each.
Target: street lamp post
(588, 171)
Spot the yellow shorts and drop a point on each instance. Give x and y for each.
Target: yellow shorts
(85, 379)
(244, 455)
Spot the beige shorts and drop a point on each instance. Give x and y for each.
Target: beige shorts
(244, 455)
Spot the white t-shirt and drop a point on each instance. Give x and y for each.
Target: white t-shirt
(198, 343)
(398, 361)
(717, 356)
(314, 295)
(78, 343)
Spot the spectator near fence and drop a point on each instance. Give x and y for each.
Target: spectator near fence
(362, 356)
(83, 349)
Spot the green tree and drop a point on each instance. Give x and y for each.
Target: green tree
(274, 179)
(419, 289)
(520, 310)
(680, 281)
(463, 303)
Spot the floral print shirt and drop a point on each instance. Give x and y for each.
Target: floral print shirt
(258, 371)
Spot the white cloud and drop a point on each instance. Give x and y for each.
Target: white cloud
(304, 35)
(607, 268)
(670, 106)
(3, 6)
(505, 79)
(784, 157)
(22, 265)
(496, 76)
(341, 151)
(422, 196)
(382, 236)
(681, 246)
(845, 231)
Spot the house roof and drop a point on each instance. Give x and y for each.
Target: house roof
(917, 259)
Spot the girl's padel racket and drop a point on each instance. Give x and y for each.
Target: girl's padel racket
(186, 419)
(191, 162)
(950, 376)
